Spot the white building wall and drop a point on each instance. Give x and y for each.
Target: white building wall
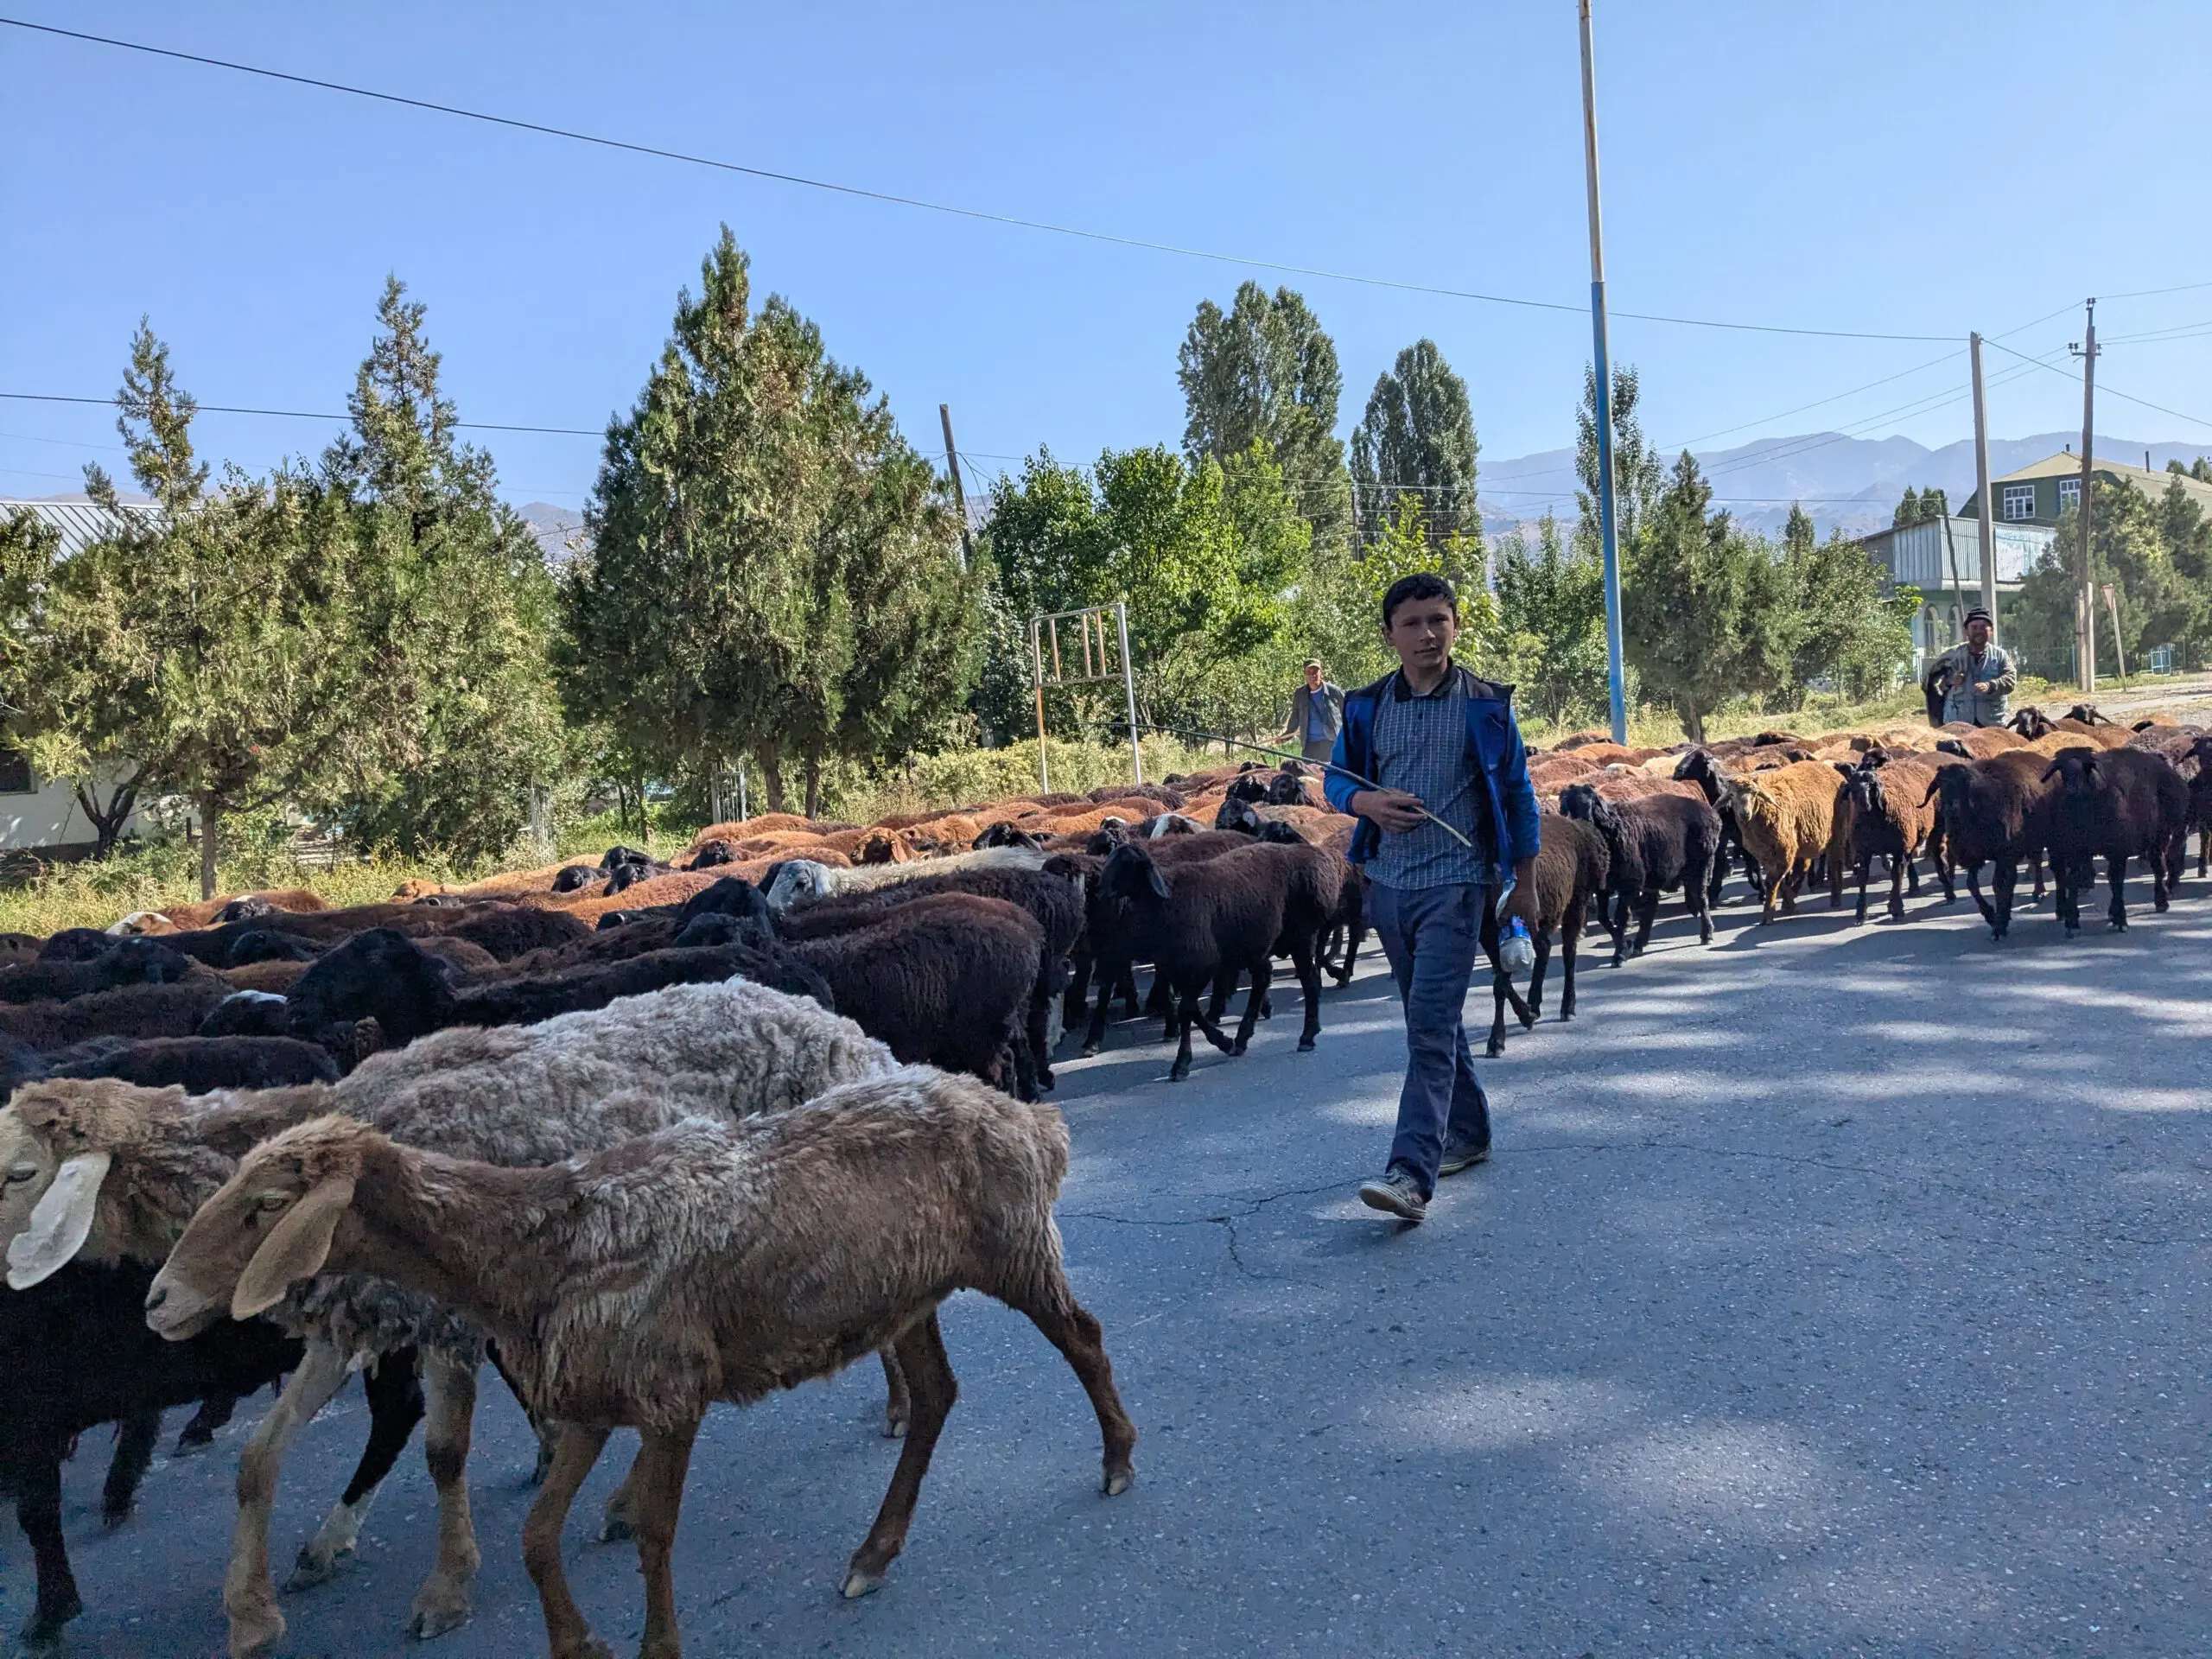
(49, 817)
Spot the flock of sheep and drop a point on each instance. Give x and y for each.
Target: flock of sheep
(609, 1125)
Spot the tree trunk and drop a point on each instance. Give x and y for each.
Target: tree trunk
(211, 813)
(1693, 721)
(107, 824)
(812, 772)
(771, 773)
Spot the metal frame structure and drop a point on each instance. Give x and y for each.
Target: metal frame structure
(1102, 656)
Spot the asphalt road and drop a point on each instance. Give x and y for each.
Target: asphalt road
(1832, 1290)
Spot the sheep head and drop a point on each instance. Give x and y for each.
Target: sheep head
(58, 1141)
(2031, 723)
(2080, 778)
(1288, 789)
(2088, 714)
(270, 1225)
(797, 883)
(1130, 875)
(1697, 767)
(1247, 786)
(1237, 814)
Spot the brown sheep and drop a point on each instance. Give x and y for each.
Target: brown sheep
(293, 900)
(704, 1262)
(1979, 742)
(1787, 818)
(1886, 810)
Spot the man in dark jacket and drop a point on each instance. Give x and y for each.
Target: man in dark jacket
(1430, 745)
(1317, 714)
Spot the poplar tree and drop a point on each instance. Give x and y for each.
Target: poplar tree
(1417, 438)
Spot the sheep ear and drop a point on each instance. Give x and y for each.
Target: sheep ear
(1158, 881)
(296, 1249)
(1935, 788)
(2049, 772)
(60, 1221)
(1848, 771)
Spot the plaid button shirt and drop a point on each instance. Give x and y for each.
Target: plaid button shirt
(1420, 747)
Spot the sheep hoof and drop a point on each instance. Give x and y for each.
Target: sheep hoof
(438, 1618)
(43, 1634)
(256, 1632)
(310, 1570)
(1491, 1051)
(1117, 1481)
(894, 1425)
(1178, 1073)
(1045, 1078)
(1088, 1050)
(1305, 1045)
(1236, 1049)
(858, 1583)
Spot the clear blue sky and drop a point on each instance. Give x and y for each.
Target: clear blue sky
(1919, 167)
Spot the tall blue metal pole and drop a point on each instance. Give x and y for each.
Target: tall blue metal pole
(1616, 685)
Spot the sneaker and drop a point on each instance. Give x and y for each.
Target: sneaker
(1463, 1154)
(1396, 1195)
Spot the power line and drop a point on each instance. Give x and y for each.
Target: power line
(892, 199)
(2179, 415)
(304, 414)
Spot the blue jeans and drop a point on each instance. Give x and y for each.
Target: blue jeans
(1432, 937)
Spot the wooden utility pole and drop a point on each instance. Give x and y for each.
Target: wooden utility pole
(1616, 685)
(2086, 349)
(1987, 521)
(959, 495)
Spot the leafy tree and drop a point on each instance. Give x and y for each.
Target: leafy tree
(1417, 439)
(1551, 605)
(1798, 534)
(1638, 476)
(1265, 371)
(454, 617)
(1202, 555)
(1920, 507)
(205, 650)
(1707, 608)
(2129, 553)
(772, 566)
(2186, 532)
(1338, 613)
(1851, 635)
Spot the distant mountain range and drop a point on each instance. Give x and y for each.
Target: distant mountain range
(1851, 482)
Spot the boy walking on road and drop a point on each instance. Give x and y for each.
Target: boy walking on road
(1435, 741)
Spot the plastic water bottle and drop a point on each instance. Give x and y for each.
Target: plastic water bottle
(1517, 952)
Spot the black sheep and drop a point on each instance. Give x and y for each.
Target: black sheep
(941, 979)
(1992, 811)
(1699, 767)
(1573, 866)
(129, 1011)
(1053, 899)
(246, 1014)
(200, 1064)
(575, 877)
(77, 1353)
(1200, 921)
(2121, 802)
(709, 856)
(127, 961)
(509, 930)
(1656, 845)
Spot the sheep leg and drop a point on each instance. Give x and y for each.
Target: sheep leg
(664, 1460)
(2116, 875)
(1070, 1328)
(1615, 915)
(897, 1406)
(1647, 911)
(1355, 935)
(2008, 882)
(2034, 869)
(1095, 1034)
(1036, 1030)
(921, 1352)
(1701, 907)
(1536, 975)
(394, 1388)
(568, 1634)
(214, 1412)
(2161, 876)
(248, 1597)
(1304, 959)
(37, 1481)
(444, 1602)
(1911, 872)
(1499, 986)
(1181, 1067)
(1897, 867)
(1075, 1000)
(1570, 933)
(1974, 888)
(135, 1439)
(1865, 862)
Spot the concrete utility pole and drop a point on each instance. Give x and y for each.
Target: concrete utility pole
(1987, 521)
(959, 495)
(1616, 687)
(2086, 349)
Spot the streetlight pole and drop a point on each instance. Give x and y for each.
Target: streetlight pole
(1615, 686)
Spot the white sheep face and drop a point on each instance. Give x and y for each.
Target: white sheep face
(800, 882)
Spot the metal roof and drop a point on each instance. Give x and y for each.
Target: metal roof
(79, 523)
(2066, 464)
